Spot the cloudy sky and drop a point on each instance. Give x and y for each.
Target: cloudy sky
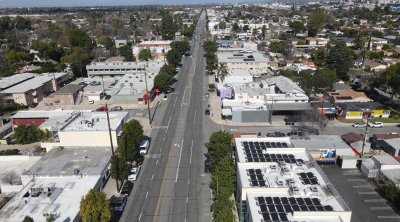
(53, 3)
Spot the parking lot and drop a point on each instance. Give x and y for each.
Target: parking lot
(360, 195)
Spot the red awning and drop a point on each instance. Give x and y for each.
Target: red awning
(140, 99)
(151, 96)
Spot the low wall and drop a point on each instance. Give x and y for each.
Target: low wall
(18, 157)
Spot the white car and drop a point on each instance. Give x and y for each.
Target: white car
(165, 98)
(256, 76)
(134, 172)
(376, 124)
(91, 101)
(360, 124)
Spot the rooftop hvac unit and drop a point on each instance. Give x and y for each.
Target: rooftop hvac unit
(295, 190)
(290, 181)
(280, 183)
(282, 163)
(60, 148)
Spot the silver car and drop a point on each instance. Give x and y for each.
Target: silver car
(360, 124)
(120, 204)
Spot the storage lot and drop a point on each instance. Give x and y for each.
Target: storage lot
(360, 195)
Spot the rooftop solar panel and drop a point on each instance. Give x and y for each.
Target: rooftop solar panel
(285, 156)
(274, 217)
(268, 200)
(308, 201)
(306, 181)
(300, 201)
(313, 181)
(292, 161)
(312, 208)
(284, 144)
(254, 183)
(279, 208)
(291, 156)
(303, 176)
(260, 200)
(310, 175)
(261, 183)
(249, 155)
(316, 201)
(303, 208)
(277, 200)
(299, 160)
(328, 208)
(263, 208)
(256, 160)
(249, 159)
(284, 200)
(266, 216)
(271, 208)
(256, 143)
(268, 160)
(278, 155)
(258, 171)
(262, 159)
(259, 177)
(251, 143)
(253, 177)
(288, 208)
(283, 217)
(272, 155)
(274, 160)
(296, 208)
(292, 200)
(320, 208)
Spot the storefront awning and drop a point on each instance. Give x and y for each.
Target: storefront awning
(151, 95)
(226, 112)
(140, 99)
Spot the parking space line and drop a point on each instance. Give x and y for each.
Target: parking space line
(361, 186)
(367, 193)
(381, 208)
(389, 217)
(356, 180)
(375, 200)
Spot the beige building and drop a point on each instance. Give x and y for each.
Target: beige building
(346, 96)
(67, 95)
(255, 62)
(31, 88)
(88, 129)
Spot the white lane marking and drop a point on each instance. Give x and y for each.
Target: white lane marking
(189, 181)
(140, 216)
(147, 194)
(191, 151)
(168, 124)
(175, 100)
(187, 199)
(179, 163)
(156, 162)
(160, 149)
(183, 98)
(163, 139)
(152, 176)
(194, 116)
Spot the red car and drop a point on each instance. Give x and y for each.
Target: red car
(103, 108)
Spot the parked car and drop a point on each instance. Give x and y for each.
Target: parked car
(94, 83)
(165, 98)
(134, 172)
(360, 124)
(376, 124)
(207, 95)
(126, 188)
(270, 135)
(330, 116)
(144, 146)
(91, 101)
(82, 84)
(108, 97)
(256, 76)
(103, 108)
(111, 85)
(207, 112)
(116, 108)
(168, 90)
(120, 203)
(139, 159)
(292, 133)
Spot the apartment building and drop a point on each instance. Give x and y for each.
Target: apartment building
(256, 62)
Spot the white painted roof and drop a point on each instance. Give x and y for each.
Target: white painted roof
(33, 83)
(97, 121)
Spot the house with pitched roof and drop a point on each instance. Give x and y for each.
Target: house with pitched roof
(360, 110)
(347, 96)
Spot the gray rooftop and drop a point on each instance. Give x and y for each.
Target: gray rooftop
(12, 80)
(285, 84)
(317, 142)
(69, 89)
(131, 84)
(340, 87)
(95, 121)
(386, 160)
(242, 57)
(88, 160)
(33, 83)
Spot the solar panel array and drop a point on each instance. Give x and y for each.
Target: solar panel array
(256, 178)
(276, 208)
(308, 178)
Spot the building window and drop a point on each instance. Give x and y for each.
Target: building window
(258, 97)
(251, 97)
(257, 68)
(361, 113)
(303, 101)
(296, 101)
(348, 114)
(257, 63)
(251, 68)
(251, 63)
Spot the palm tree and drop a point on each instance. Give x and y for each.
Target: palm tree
(222, 71)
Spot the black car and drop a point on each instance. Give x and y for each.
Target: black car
(108, 97)
(139, 159)
(207, 112)
(126, 189)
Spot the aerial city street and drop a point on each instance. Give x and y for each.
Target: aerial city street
(271, 111)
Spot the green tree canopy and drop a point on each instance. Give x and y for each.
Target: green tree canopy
(162, 81)
(168, 69)
(122, 167)
(222, 25)
(392, 193)
(339, 59)
(25, 134)
(316, 22)
(94, 207)
(126, 52)
(296, 27)
(79, 38)
(318, 56)
(180, 46)
(174, 57)
(391, 77)
(145, 54)
(210, 46)
(108, 43)
(235, 27)
(131, 137)
(22, 23)
(167, 27)
(28, 219)
(278, 47)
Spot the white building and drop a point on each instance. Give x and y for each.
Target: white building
(256, 63)
(278, 182)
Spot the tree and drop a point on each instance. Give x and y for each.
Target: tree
(318, 56)
(145, 54)
(122, 167)
(126, 52)
(168, 69)
(246, 27)
(391, 78)
(14, 57)
(310, 119)
(25, 134)
(162, 81)
(28, 219)
(131, 137)
(108, 43)
(79, 38)
(235, 27)
(94, 207)
(301, 43)
(316, 22)
(180, 46)
(49, 217)
(167, 27)
(210, 46)
(174, 57)
(296, 27)
(339, 59)
(392, 193)
(278, 47)
(222, 25)
(10, 177)
(222, 71)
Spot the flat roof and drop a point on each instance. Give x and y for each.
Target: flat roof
(33, 83)
(291, 106)
(20, 164)
(94, 121)
(386, 160)
(131, 84)
(6, 82)
(329, 142)
(90, 161)
(65, 207)
(241, 57)
(244, 105)
(126, 65)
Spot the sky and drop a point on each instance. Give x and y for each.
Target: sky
(65, 3)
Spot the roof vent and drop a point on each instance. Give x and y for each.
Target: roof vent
(76, 172)
(60, 148)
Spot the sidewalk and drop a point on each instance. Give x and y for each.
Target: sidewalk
(215, 110)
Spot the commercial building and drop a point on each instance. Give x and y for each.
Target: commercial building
(29, 88)
(158, 49)
(57, 182)
(360, 110)
(256, 62)
(116, 70)
(384, 168)
(277, 181)
(245, 111)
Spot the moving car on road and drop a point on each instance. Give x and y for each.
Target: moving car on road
(103, 108)
(116, 108)
(376, 124)
(207, 112)
(360, 124)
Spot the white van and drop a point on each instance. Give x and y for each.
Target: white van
(144, 147)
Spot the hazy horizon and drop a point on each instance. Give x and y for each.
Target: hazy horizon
(94, 3)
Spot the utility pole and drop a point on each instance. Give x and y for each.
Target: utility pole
(55, 82)
(365, 139)
(165, 65)
(147, 91)
(323, 98)
(112, 150)
(272, 109)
